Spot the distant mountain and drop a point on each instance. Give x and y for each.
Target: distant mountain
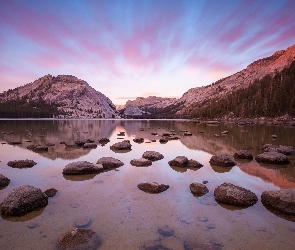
(264, 88)
(63, 96)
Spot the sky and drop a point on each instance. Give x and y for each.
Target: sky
(128, 49)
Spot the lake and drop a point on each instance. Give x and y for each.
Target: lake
(125, 217)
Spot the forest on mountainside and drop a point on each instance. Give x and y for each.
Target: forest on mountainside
(271, 96)
(20, 108)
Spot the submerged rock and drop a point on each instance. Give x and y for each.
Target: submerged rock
(110, 162)
(21, 163)
(198, 189)
(23, 200)
(123, 145)
(152, 187)
(280, 200)
(152, 155)
(179, 161)
(234, 195)
(243, 154)
(79, 239)
(4, 181)
(272, 158)
(82, 167)
(141, 162)
(222, 160)
(50, 192)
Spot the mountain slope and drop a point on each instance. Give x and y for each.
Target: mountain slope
(261, 74)
(68, 96)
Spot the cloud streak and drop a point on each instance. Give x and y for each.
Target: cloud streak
(131, 47)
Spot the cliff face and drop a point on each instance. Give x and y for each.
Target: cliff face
(73, 97)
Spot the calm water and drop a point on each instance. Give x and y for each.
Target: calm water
(125, 217)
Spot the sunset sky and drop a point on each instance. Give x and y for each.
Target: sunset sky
(127, 49)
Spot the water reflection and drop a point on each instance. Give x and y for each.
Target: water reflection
(26, 217)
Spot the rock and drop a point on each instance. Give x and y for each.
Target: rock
(62, 142)
(21, 163)
(104, 140)
(286, 150)
(224, 132)
(152, 155)
(70, 143)
(194, 164)
(179, 161)
(23, 200)
(50, 192)
(121, 134)
(50, 144)
(187, 134)
(110, 162)
(163, 140)
(173, 138)
(40, 149)
(14, 143)
(272, 158)
(154, 133)
(90, 145)
(141, 162)
(273, 136)
(138, 140)
(123, 145)
(198, 189)
(82, 222)
(82, 167)
(243, 154)
(234, 195)
(153, 140)
(166, 134)
(31, 147)
(79, 143)
(280, 200)
(4, 181)
(89, 141)
(152, 187)
(141, 129)
(222, 160)
(165, 231)
(79, 239)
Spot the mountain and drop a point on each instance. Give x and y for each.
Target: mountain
(63, 96)
(263, 88)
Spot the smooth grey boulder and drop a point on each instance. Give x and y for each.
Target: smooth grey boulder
(179, 161)
(272, 158)
(231, 194)
(23, 200)
(82, 167)
(243, 154)
(90, 145)
(152, 187)
(21, 163)
(79, 239)
(123, 145)
(110, 162)
(141, 162)
(4, 181)
(222, 160)
(280, 200)
(198, 189)
(152, 155)
(194, 164)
